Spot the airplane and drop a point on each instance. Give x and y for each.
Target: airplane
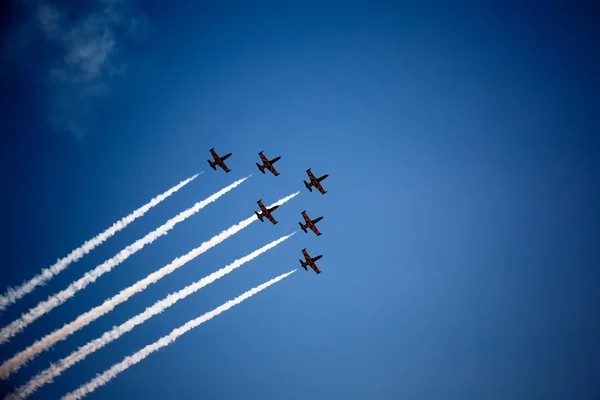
(266, 212)
(220, 161)
(268, 164)
(310, 261)
(314, 181)
(310, 223)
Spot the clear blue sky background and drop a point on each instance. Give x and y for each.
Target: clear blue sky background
(460, 237)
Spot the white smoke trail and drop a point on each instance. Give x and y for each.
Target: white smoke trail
(49, 374)
(10, 366)
(131, 360)
(12, 295)
(57, 299)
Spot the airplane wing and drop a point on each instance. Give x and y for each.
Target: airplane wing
(262, 206)
(315, 229)
(224, 166)
(306, 254)
(264, 159)
(214, 153)
(310, 174)
(270, 218)
(306, 219)
(272, 169)
(320, 188)
(314, 267)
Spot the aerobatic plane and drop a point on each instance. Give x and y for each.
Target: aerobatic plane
(310, 223)
(265, 212)
(220, 161)
(310, 261)
(314, 181)
(268, 164)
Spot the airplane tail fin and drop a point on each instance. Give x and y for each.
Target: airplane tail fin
(212, 165)
(302, 226)
(307, 186)
(303, 265)
(261, 168)
(259, 216)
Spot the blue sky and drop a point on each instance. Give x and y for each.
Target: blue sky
(461, 219)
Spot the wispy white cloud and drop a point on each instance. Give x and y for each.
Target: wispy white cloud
(82, 52)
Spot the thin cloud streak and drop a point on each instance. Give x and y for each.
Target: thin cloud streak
(59, 298)
(12, 295)
(135, 358)
(10, 366)
(49, 374)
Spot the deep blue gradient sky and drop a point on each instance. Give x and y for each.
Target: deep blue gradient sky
(460, 237)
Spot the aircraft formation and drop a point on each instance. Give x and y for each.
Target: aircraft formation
(267, 212)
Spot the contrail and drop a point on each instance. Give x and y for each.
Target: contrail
(12, 295)
(90, 276)
(58, 368)
(84, 319)
(129, 361)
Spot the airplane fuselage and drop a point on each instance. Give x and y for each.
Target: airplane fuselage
(310, 261)
(310, 223)
(266, 212)
(220, 161)
(267, 164)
